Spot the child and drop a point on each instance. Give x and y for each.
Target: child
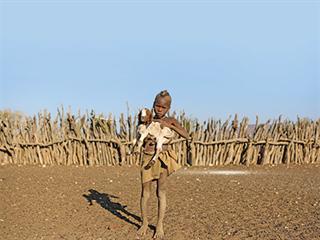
(162, 168)
(148, 127)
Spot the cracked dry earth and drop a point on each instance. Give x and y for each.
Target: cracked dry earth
(202, 203)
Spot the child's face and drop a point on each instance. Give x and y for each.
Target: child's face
(161, 107)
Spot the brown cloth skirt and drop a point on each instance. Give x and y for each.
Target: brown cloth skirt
(167, 161)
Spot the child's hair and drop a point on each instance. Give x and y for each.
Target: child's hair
(163, 93)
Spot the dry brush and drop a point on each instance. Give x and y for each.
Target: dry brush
(91, 139)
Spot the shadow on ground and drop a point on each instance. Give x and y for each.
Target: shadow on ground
(116, 208)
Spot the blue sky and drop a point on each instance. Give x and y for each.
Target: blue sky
(216, 58)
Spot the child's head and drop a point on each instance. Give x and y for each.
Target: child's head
(162, 104)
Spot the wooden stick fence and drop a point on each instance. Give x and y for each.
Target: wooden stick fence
(91, 139)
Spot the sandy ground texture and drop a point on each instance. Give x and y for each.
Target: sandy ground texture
(203, 203)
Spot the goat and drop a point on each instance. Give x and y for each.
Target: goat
(145, 127)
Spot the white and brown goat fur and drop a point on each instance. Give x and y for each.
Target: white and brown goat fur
(145, 127)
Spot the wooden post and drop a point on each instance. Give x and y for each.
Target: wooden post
(249, 153)
(265, 156)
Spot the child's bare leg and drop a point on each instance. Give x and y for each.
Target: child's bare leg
(162, 203)
(145, 195)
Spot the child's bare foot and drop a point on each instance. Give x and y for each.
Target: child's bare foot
(159, 232)
(142, 230)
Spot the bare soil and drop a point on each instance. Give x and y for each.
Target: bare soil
(203, 203)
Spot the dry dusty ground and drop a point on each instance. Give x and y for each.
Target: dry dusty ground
(52, 203)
